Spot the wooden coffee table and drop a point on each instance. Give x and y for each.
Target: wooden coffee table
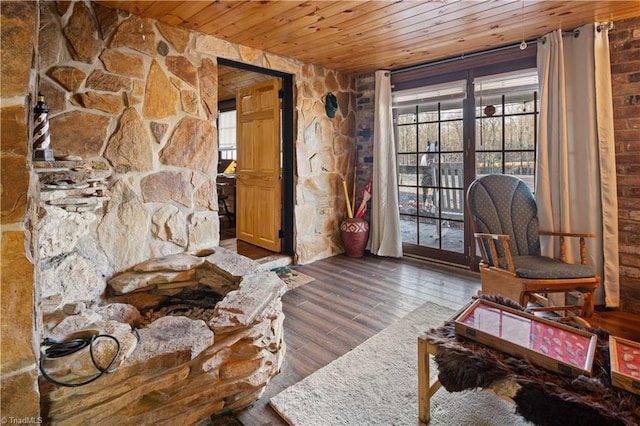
(612, 404)
(504, 389)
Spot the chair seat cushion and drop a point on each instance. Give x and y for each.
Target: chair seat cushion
(541, 267)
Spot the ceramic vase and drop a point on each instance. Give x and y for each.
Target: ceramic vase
(355, 234)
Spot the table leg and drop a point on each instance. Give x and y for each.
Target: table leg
(424, 408)
(425, 388)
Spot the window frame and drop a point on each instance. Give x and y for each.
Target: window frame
(502, 60)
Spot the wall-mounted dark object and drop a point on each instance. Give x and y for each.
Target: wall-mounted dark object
(331, 105)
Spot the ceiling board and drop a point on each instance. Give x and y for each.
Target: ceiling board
(363, 36)
(231, 80)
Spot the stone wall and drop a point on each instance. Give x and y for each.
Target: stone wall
(141, 98)
(624, 43)
(19, 397)
(325, 150)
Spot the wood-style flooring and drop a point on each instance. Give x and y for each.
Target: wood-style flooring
(245, 249)
(354, 298)
(228, 241)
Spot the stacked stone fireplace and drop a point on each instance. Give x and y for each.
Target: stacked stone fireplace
(199, 333)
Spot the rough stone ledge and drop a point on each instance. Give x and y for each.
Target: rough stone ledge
(241, 307)
(127, 377)
(230, 265)
(78, 412)
(129, 282)
(218, 268)
(175, 262)
(181, 368)
(73, 186)
(87, 197)
(169, 334)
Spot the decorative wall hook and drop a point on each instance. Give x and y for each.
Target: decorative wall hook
(331, 105)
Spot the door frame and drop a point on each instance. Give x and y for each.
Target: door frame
(287, 148)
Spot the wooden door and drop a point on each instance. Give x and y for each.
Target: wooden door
(258, 184)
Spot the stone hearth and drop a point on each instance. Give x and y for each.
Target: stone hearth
(175, 369)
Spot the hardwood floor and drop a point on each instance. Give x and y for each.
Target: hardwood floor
(245, 249)
(354, 298)
(351, 300)
(229, 241)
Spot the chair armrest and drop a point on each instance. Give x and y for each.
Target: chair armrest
(563, 249)
(491, 239)
(567, 234)
(482, 235)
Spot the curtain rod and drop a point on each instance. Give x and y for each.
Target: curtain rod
(458, 58)
(599, 27)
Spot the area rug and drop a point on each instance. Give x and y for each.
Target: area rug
(376, 384)
(291, 277)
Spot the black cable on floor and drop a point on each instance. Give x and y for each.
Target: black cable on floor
(62, 349)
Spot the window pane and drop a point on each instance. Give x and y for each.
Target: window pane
(452, 236)
(428, 169)
(451, 110)
(227, 134)
(488, 163)
(407, 138)
(407, 169)
(407, 116)
(520, 132)
(428, 113)
(408, 228)
(519, 102)
(429, 233)
(520, 164)
(451, 136)
(408, 200)
(451, 171)
(428, 136)
(428, 201)
(452, 203)
(449, 92)
(488, 107)
(489, 134)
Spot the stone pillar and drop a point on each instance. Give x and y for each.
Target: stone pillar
(18, 363)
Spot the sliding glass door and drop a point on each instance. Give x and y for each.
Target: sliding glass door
(430, 138)
(446, 135)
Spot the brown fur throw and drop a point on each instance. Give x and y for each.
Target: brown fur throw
(545, 398)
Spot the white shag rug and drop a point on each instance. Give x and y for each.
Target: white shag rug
(377, 384)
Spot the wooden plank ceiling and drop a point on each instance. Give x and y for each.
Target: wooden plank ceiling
(231, 80)
(363, 36)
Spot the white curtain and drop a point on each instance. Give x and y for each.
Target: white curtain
(384, 230)
(576, 174)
